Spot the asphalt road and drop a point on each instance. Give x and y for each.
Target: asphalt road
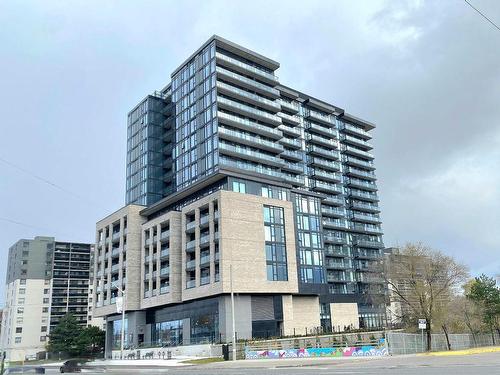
(480, 364)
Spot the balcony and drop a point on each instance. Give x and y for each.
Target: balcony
(361, 173)
(369, 207)
(245, 96)
(331, 238)
(204, 220)
(356, 142)
(147, 259)
(330, 143)
(360, 184)
(165, 271)
(357, 216)
(325, 164)
(338, 252)
(244, 153)
(371, 197)
(115, 237)
(324, 152)
(347, 128)
(336, 278)
(247, 83)
(205, 280)
(115, 252)
(357, 152)
(249, 140)
(164, 289)
(317, 185)
(292, 107)
(190, 245)
(274, 173)
(293, 167)
(205, 240)
(318, 129)
(115, 268)
(359, 163)
(164, 253)
(290, 142)
(293, 155)
(204, 260)
(365, 228)
(190, 284)
(190, 227)
(333, 212)
(334, 224)
(249, 111)
(246, 68)
(323, 119)
(367, 254)
(245, 124)
(339, 265)
(294, 179)
(191, 264)
(164, 235)
(334, 200)
(368, 278)
(286, 118)
(326, 176)
(293, 132)
(369, 243)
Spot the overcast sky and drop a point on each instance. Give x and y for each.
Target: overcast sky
(426, 72)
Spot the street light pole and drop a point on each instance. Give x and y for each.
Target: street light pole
(232, 312)
(122, 338)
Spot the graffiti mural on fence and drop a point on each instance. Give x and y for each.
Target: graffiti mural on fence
(348, 351)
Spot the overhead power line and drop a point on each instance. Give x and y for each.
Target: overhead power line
(483, 15)
(46, 181)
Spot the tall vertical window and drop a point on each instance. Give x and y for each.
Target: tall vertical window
(309, 239)
(274, 229)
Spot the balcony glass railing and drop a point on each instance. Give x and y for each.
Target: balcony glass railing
(360, 172)
(291, 118)
(335, 223)
(165, 271)
(247, 67)
(249, 96)
(251, 167)
(330, 154)
(357, 151)
(290, 105)
(251, 138)
(333, 211)
(322, 129)
(246, 152)
(357, 141)
(321, 117)
(190, 284)
(248, 81)
(356, 130)
(191, 264)
(363, 194)
(251, 125)
(164, 289)
(190, 244)
(289, 130)
(246, 108)
(205, 259)
(363, 163)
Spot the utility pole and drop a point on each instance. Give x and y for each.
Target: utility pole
(122, 338)
(232, 311)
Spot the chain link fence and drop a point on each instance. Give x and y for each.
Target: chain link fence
(411, 343)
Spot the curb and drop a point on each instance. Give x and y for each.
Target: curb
(495, 349)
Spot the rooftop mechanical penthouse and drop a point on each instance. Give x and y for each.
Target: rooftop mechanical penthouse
(227, 166)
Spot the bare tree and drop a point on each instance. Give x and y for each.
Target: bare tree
(423, 281)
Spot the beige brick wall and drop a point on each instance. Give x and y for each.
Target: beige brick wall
(242, 245)
(301, 314)
(133, 258)
(344, 315)
(175, 259)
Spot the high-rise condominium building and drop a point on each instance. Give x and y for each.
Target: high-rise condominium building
(235, 180)
(45, 280)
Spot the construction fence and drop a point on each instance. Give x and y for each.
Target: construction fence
(411, 343)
